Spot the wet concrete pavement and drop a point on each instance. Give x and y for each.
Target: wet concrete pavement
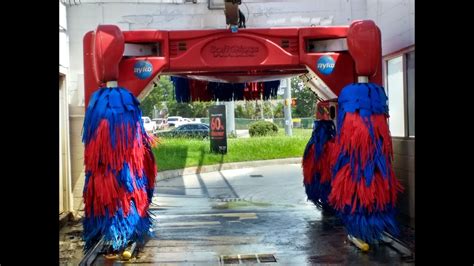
(204, 217)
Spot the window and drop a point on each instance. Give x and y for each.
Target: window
(395, 96)
(400, 86)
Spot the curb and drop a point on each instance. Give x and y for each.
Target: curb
(225, 166)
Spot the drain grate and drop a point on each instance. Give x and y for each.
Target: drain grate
(254, 176)
(230, 259)
(248, 258)
(266, 258)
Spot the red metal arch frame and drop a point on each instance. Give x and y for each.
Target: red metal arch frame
(135, 59)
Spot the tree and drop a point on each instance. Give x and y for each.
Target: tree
(305, 99)
(268, 109)
(147, 104)
(278, 112)
(180, 109)
(162, 92)
(162, 97)
(201, 109)
(239, 112)
(249, 109)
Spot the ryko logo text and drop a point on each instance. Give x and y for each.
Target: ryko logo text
(325, 64)
(142, 69)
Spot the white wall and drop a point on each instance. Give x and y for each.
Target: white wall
(63, 39)
(394, 17)
(147, 14)
(396, 20)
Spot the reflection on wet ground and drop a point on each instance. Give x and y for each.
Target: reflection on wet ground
(232, 216)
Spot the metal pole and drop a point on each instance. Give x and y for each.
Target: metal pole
(230, 117)
(287, 108)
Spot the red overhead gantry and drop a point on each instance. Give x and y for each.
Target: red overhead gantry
(327, 58)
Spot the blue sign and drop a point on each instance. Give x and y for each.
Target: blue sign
(325, 64)
(142, 69)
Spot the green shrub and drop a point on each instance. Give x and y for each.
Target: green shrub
(262, 128)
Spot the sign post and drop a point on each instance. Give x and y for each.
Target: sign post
(217, 123)
(287, 107)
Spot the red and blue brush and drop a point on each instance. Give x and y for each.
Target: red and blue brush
(318, 160)
(364, 186)
(120, 170)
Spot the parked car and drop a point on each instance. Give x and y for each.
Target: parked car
(176, 121)
(149, 125)
(192, 130)
(161, 123)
